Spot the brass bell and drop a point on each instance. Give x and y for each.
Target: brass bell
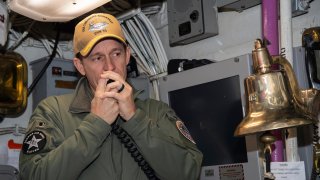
(274, 100)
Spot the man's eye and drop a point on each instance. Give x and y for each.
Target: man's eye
(96, 58)
(116, 54)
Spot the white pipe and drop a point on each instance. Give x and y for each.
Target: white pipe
(286, 29)
(291, 141)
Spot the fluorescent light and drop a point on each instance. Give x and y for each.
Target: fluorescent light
(54, 10)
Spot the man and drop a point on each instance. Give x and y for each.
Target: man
(102, 131)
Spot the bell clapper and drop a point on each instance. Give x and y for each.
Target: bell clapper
(267, 139)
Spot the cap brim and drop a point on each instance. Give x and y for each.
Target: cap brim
(86, 50)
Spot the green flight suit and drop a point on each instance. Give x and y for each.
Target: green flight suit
(64, 141)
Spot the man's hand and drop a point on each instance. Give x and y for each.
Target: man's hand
(122, 92)
(105, 107)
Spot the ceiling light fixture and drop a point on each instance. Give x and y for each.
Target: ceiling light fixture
(54, 10)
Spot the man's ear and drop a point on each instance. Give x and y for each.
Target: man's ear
(128, 53)
(78, 64)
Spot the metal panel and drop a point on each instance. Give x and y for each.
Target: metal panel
(238, 66)
(191, 20)
(59, 78)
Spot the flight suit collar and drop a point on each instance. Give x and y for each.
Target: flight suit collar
(83, 95)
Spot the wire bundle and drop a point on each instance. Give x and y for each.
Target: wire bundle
(146, 46)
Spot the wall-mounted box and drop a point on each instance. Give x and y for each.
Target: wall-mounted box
(191, 20)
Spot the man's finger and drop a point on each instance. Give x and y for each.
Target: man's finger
(101, 85)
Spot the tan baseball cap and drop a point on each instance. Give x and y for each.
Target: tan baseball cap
(94, 28)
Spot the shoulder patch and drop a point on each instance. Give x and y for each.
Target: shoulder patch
(34, 142)
(184, 131)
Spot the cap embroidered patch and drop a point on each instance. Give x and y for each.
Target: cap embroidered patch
(184, 131)
(94, 28)
(34, 142)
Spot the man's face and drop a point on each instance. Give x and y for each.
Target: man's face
(107, 55)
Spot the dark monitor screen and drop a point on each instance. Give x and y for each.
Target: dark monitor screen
(211, 111)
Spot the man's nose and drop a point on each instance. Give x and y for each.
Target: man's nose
(108, 65)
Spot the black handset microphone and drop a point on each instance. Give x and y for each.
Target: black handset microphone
(131, 146)
(120, 89)
(110, 81)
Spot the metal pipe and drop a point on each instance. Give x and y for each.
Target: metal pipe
(270, 35)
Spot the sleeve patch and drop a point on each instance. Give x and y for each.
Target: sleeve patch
(184, 131)
(34, 142)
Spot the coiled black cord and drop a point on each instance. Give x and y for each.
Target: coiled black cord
(131, 146)
(315, 133)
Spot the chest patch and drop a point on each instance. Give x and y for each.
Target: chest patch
(34, 142)
(184, 131)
